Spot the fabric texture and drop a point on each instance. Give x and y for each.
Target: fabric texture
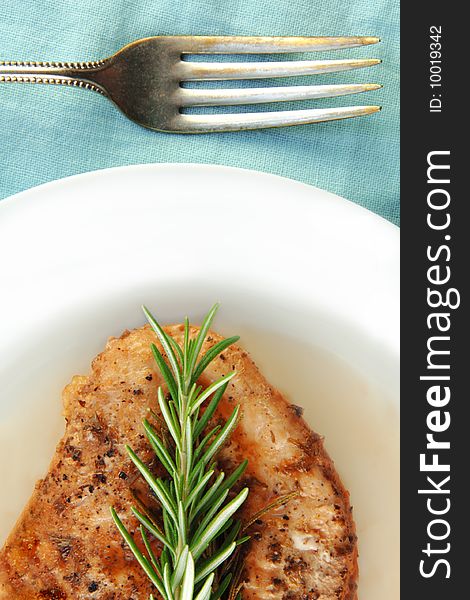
(52, 132)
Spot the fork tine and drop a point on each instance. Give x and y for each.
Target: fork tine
(282, 118)
(267, 45)
(191, 71)
(224, 97)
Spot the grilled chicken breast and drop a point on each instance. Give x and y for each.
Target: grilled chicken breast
(65, 545)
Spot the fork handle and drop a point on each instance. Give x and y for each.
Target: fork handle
(76, 74)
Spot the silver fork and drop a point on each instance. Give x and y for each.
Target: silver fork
(144, 80)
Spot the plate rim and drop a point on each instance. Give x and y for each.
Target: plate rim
(208, 166)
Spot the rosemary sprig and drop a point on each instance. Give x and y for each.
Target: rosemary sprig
(197, 532)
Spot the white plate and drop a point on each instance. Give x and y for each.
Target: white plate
(308, 279)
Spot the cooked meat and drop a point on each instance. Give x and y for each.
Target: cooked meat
(65, 545)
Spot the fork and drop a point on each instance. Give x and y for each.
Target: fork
(144, 80)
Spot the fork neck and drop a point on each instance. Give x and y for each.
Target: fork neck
(77, 74)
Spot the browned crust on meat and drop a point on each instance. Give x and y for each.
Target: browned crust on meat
(65, 546)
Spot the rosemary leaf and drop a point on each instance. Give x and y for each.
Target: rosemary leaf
(213, 353)
(213, 528)
(165, 371)
(164, 340)
(153, 529)
(159, 449)
(221, 437)
(223, 586)
(180, 568)
(213, 562)
(211, 389)
(187, 588)
(205, 592)
(210, 410)
(142, 560)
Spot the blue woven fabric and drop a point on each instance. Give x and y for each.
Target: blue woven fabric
(49, 133)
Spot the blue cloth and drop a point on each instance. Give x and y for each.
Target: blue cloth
(49, 133)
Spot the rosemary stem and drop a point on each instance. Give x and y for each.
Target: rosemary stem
(197, 531)
(182, 460)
